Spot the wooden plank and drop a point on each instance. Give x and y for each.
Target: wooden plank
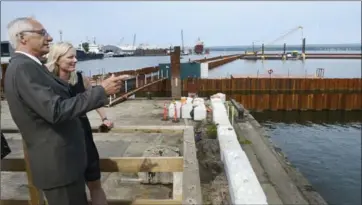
(110, 202)
(125, 96)
(191, 178)
(36, 196)
(177, 186)
(127, 129)
(116, 164)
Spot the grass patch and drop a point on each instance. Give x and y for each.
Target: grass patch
(244, 142)
(211, 131)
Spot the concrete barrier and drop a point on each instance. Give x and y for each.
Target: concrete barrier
(244, 186)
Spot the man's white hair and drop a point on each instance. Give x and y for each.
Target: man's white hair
(17, 26)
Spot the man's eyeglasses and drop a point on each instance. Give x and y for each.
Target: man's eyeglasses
(41, 32)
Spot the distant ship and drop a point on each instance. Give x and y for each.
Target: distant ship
(93, 53)
(149, 50)
(127, 49)
(83, 56)
(199, 47)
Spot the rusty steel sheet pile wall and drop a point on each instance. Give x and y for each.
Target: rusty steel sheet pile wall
(259, 94)
(212, 59)
(223, 61)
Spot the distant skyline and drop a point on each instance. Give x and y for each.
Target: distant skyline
(217, 23)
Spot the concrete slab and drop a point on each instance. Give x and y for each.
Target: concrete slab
(263, 178)
(244, 186)
(116, 185)
(130, 112)
(137, 127)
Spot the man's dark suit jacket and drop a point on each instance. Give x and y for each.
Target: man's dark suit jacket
(47, 117)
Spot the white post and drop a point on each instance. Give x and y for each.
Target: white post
(136, 81)
(228, 109)
(232, 115)
(145, 80)
(125, 86)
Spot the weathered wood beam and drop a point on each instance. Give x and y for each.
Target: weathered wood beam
(116, 164)
(110, 202)
(126, 129)
(177, 186)
(191, 193)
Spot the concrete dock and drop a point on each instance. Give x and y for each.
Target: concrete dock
(213, 176)
(138, 130)
(307, 56)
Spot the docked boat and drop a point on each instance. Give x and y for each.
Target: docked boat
(147, 50)
(94, 52)
(128, 49)
(199, 47)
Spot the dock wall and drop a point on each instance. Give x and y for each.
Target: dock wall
(279, 56)
(223, 61)
(263, 94)
(244, 186)
(272, 167)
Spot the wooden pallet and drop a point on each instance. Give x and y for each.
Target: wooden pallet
(186, 180)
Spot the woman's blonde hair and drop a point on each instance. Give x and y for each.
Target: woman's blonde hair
(58, 50)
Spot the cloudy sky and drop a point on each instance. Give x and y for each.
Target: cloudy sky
(217, 23)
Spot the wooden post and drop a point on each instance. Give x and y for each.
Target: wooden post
(176, 73)
(36, 196)
(137, 81)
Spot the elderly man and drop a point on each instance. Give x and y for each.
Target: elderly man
(47, 116)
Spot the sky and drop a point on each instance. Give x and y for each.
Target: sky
(216, 23)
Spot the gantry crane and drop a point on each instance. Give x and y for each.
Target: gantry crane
(284, 36)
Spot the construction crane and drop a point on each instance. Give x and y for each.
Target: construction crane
(287, 34)
(284, 36)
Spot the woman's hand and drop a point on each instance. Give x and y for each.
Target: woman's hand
(108, 123)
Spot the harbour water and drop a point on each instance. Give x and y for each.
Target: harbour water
(333, 68)
(327, 153)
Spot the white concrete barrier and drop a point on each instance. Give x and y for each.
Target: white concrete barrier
(220, 117)
(244, 186)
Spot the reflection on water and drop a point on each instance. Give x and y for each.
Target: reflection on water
(338, 68)
(325, 147)
(333, 68)
(306, 117)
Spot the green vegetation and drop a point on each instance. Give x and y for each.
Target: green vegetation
(244, 142)
(211, 130)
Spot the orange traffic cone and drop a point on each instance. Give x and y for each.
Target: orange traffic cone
(175, 119)
(165, 113)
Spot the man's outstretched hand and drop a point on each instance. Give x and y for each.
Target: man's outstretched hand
(113, 84)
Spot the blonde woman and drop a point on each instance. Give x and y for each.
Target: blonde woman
(62, 61)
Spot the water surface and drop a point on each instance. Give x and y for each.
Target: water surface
(327, 153)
